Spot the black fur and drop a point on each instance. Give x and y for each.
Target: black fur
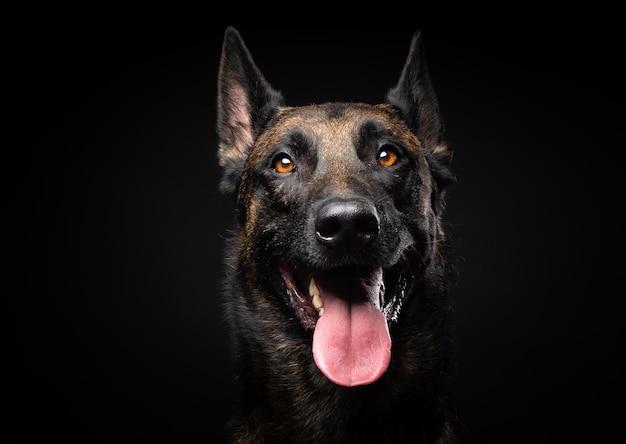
(365, 196)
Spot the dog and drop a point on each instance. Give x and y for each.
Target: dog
(338, 272)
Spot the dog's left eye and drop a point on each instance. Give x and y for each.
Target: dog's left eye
(387, 156)
(283, 164)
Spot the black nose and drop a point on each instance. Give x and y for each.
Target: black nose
(350, 225)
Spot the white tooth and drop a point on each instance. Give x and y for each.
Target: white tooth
(316, 298)
(317, 302)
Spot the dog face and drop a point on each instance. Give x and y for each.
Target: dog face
(338, 209)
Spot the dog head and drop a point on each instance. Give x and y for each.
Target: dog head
(338, 205)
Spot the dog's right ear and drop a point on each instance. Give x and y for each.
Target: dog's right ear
(245, 103)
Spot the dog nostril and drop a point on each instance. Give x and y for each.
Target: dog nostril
(365, 227)
(347, 224)
(328, 228)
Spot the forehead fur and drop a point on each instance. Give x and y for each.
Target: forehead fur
(333, 122)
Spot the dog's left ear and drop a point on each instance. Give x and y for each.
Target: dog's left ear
(245, 103)
(415, 99)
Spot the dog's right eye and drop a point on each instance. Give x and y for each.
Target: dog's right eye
(283, 164)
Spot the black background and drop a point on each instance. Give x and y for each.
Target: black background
(114, 327)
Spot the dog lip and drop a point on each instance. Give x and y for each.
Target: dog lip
(301, 304)
(396, 278)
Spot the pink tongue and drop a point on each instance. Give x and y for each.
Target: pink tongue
(351, 342)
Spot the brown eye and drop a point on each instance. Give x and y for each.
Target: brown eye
(283, 164)
(387, 156)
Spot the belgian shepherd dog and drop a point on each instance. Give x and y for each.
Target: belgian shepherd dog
(338, 272)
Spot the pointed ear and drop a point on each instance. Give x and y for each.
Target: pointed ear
(414, 98)
(245, 102)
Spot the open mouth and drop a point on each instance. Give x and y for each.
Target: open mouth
(349, 310)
